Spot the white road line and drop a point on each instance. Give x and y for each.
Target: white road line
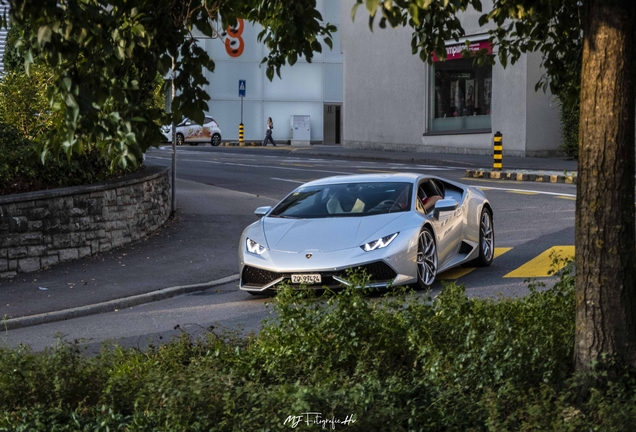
(288, 180)
(252, 166)
(526, 191)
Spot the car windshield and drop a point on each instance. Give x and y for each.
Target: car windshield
(347, 199)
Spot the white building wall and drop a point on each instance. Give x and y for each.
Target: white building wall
(544, 127)
(509, 90)
(387, 100)
(303, 88)
(383, 84)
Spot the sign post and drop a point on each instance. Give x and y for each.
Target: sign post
(241, 95)
(173, 208)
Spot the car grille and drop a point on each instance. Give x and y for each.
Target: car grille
(258, 278)
(379, 271)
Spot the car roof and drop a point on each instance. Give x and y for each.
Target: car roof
(366, 178)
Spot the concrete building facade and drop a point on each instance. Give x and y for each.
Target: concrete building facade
(394, 101)
(304, 89)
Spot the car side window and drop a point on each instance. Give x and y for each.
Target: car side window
(428, 193)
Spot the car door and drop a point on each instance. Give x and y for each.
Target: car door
(447, 225)
(205, 133)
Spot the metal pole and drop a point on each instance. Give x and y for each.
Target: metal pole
(174, 147)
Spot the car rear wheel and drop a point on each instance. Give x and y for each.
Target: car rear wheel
(216, 140)
(486, 239)
(426, 259)
(180, 139)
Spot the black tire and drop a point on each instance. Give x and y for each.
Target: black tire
(266, 293)
(486, 239)
(426, 259)
(216, 140)
(180, 139)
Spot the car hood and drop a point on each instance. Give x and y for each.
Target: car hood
(325, 235)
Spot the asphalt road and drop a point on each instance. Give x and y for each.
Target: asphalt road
(530, 219)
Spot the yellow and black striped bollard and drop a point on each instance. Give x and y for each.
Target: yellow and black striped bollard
(498, 151)
(241, 133)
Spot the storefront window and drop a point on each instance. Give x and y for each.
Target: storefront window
(461, 96)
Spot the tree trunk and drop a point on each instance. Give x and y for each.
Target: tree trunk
(605, 229)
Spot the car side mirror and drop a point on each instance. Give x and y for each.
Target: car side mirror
(445, 205)
(262, 211)
(187, 123)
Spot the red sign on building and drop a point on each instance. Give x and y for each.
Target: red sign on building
(454, 52)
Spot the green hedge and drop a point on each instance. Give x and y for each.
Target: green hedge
(22, 170)
(394, 363)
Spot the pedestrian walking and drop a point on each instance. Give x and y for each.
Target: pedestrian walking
(268, 133)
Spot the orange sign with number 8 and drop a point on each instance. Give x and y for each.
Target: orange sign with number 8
(234, 44)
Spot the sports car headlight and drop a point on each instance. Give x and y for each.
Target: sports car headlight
(379, 243)
(253, 247)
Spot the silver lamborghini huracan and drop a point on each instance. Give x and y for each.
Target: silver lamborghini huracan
(400, 228)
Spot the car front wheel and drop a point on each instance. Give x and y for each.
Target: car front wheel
(426, 259)
(216, 140)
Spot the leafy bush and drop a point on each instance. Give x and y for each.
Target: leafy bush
(395, 363)
(23, 101)
(22, 169)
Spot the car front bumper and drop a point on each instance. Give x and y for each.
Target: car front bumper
(392, 266)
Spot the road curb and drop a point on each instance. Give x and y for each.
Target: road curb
(537, 176)
(111, 305)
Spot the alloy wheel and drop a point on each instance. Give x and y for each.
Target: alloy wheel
(487, 236)
(426, 258)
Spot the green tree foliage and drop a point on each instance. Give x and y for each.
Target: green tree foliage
(24, 103)
(13, 59)
(102, 53)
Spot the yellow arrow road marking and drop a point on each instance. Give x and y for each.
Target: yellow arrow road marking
(457, 272)
(543, 265)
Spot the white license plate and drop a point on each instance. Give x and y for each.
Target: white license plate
(306, 278)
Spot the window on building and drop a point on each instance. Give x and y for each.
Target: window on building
(461, 96)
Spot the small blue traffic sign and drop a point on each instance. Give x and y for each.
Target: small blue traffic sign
(241, 88)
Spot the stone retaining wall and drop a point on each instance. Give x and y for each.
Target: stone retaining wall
(41, 229)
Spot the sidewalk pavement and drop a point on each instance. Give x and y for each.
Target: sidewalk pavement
(194, 243)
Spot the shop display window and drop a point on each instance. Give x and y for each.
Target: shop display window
(461, 96)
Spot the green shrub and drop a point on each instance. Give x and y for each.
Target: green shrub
(396, 363)
(22, 170)
(24, 103)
